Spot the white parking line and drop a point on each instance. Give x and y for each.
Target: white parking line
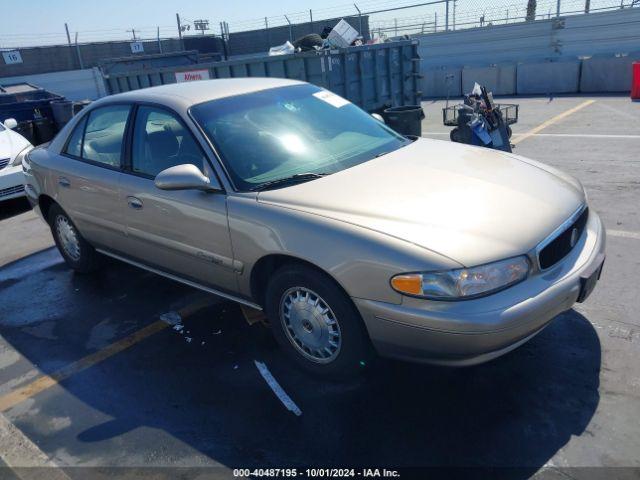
(624, 234)
(21, 454)
(277, 389)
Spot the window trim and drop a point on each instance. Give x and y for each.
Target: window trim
(85, 118)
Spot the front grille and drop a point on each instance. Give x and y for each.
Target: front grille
(4, 162)
(560, 246)
(5, 192)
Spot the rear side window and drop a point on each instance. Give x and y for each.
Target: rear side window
(74, 147)
(99, 137)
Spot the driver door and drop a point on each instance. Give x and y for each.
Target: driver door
(183, 232)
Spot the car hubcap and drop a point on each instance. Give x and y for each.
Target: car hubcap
(310, 324)
(68, 237)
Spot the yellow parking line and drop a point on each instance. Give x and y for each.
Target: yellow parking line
(13, 398)
(551, 121)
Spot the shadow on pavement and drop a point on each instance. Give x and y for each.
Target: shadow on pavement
(516, 411)
(13, 207)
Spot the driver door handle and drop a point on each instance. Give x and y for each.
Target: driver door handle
(135, 203)
(64, 182)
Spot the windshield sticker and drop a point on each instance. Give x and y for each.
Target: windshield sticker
(331, 98)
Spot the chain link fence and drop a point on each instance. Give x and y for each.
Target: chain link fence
(384, 18)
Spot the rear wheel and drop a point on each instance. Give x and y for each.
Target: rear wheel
(75, 250)
(316, 323)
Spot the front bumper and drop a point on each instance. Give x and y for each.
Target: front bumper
(11, 183)
(474, 331)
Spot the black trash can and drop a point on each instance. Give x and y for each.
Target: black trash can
(62, 112)
(406, 120)
(45, 130)
(26, 130)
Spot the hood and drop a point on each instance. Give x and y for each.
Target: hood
(11, 143)
(473, 205)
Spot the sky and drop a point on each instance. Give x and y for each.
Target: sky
(44, 20)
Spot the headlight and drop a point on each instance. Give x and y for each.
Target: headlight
(18, 160)
(463, 283)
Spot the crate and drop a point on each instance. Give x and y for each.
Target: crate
(509, 113)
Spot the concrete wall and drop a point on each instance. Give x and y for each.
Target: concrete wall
(608, 74)
(543, 57)
(57, 58)
(74, 84)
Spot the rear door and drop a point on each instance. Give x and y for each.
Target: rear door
(89, 175)
(183, 232)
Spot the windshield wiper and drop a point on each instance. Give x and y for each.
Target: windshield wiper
(298, 177)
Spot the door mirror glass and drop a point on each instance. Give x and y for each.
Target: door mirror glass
(185, 177)
(10, 123)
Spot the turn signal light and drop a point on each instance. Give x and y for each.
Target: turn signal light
(410, 284)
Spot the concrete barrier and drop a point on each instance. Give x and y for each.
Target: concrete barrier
(441, 81)
(548, 77)
(612, 74)
(499, 79)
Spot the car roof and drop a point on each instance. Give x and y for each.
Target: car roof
(191, 93)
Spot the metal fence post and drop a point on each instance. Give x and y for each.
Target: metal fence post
(311, 19)
(290, 32)
(446, 16)
(359, 20)
(78, 52)
(558, 8)
(266, 32)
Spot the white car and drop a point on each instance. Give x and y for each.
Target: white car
(13, 148)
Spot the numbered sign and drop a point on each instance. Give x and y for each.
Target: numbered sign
(137, 47)
(12, 56)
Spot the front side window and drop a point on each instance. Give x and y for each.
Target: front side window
(161, 141)
(104, 134)
(274, 134)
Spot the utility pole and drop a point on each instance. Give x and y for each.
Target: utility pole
(311, 19)
(66, 27)
(587, 6)
(159, 42)
(133, 32)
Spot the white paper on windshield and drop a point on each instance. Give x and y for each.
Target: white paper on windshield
(331, 98)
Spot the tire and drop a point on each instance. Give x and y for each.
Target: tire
(509, 131)
(297, 289)
(308, 42)
(75, 250)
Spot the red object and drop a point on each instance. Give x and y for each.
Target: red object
(635, 81)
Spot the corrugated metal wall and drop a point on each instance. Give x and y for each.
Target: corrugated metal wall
(533, 57)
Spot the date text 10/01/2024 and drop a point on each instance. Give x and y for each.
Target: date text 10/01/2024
(316, 472)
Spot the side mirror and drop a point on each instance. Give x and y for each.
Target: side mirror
(10, 123)
(378, 117)
(185, 177)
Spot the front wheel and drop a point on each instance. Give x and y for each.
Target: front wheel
(75, 250)
(316, 323)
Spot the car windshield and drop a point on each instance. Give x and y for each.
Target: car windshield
(275, 134)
